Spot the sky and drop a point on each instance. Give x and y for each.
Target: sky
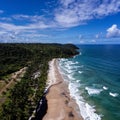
(60, 21)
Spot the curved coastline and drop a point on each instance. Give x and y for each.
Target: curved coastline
(60, 104)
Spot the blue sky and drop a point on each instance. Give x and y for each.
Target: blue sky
(60, 21)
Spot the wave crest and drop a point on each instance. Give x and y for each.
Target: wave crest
(113, 94)
(93, 91)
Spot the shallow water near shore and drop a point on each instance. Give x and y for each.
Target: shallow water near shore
(94, 81)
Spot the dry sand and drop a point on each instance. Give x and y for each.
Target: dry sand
(60, 105)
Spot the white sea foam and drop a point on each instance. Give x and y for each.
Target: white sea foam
(113, 94)
(81, 66)
(105, 88)
(71, 63)
(70, 77)
(69, 71)
(77, 81)
(93, 91)
(88, 112)
(80, 72)
(51, 74)
(77, 55)
(63, 59)
(76, 62)
(69, 67)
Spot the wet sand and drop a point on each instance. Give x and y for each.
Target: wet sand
(60, 105)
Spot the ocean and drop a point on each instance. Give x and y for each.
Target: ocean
(94, 81)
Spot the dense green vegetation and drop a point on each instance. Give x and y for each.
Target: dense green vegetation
(25, 95)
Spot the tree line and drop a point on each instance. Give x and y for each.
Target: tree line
(25, 95)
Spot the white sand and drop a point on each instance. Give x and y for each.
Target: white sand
(60, 105)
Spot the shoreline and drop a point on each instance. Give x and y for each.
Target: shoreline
(60, 103)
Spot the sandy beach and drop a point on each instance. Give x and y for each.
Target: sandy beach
(60, 105)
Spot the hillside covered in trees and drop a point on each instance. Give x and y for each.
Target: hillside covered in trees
(23, 97)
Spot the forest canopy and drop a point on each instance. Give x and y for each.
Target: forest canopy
(24, 96)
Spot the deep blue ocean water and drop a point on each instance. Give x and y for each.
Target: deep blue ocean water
(94, 81)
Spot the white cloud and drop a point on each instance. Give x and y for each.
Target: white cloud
(5, 19)
(66, 18)
(32, 18)
(68, 13)
(93, 41)
(20, 33)
(1, 11)
(10, 31)
(72, 13)
(13, 27)
(97, 36)
(35, 35)
(66, 2)
(82, 41)
(7, 36)
(80, 36)
(22, 36)
(2, 32)
(113, 31)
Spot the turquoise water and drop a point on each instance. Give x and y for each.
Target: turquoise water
(94, 81)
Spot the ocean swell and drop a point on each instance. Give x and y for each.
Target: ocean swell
(87, 111)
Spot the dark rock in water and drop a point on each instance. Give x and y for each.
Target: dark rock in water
(41, 109)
